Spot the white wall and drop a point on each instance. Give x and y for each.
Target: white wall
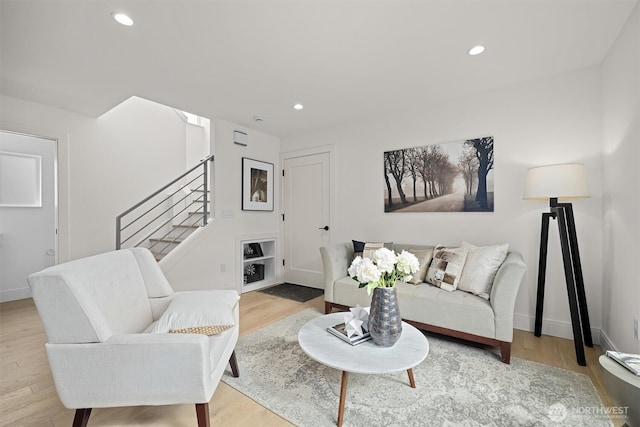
(109, 163)
(621, 194)
(106, 164)
(548, 121)
(200, 265)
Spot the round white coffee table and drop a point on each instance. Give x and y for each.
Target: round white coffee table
(366, 358)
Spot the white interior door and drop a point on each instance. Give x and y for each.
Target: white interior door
(306, 218)
(27, 211)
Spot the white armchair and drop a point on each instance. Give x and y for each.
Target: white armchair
(99, 315)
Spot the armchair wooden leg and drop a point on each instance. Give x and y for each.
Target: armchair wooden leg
(202, 411)
(505, 352)
(82, 417)
(328, 308)
(234, 365)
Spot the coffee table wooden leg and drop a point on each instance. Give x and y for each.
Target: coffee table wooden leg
(412, 380)
(343, 396)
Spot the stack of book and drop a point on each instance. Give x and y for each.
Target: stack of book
(629, 361)
(340, 331)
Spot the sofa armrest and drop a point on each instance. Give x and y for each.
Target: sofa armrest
(503, 294)
(335, 262)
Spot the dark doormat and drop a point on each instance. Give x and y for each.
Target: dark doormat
(290, 291)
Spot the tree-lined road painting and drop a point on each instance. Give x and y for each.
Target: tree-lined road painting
(450, 177)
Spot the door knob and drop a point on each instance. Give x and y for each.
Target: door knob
(326, 227)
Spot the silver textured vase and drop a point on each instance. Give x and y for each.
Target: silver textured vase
(385, 323)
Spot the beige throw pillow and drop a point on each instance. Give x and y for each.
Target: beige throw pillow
(424, 258)
(359, 247)
(446, 267)
(370, 248)
(198, 312)
(481, 267)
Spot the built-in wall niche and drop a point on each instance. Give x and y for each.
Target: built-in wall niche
(258, 263)
(20, 180)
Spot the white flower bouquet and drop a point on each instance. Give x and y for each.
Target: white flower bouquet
(383, 269)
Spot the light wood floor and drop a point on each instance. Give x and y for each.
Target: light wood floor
(28, 396)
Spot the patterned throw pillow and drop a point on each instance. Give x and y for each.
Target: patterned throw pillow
(481, 267)
(424, 258)
(446, 267)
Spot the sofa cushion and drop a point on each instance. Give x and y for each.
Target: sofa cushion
(198, 312)
(480, 268)
(457, 310)
(460, 311)
(347, 292)
(446, 267)
(424, 258)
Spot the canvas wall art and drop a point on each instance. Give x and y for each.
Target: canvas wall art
(449, 177)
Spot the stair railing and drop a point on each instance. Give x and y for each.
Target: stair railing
(161, 215)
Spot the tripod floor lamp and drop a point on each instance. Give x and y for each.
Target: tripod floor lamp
(555, 182)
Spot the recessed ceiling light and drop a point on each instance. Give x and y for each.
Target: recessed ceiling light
(123, 19)
(476, 50)
(298, 106)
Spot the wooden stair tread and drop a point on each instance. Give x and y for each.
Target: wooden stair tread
(167, 240)
(158, 256)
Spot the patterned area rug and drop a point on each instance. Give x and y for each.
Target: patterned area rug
(293, 292)
(457, 385)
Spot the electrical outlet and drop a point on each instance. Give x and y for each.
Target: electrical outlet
(223, 268)
(635, 329)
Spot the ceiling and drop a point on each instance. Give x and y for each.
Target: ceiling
(343, 59)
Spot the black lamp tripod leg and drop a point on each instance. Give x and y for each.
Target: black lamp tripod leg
(577, 271)
(571, 287)
(542, 271)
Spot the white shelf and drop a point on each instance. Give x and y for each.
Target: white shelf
(265, 261)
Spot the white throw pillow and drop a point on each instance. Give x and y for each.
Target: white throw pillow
(198, 312)
(446, 267)
(481, 267)
(424, 258)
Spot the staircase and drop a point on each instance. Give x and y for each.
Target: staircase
(167, 217)
(188, 222)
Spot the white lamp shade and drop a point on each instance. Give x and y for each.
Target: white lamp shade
(559, 181)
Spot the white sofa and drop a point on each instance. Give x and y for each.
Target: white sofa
(99, 313)
(458, 314)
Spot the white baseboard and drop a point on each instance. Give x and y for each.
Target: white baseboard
(15, 294)
(606, 343)
(553, 328)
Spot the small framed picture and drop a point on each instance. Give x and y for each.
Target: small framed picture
(257, 185)
(252, 250)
